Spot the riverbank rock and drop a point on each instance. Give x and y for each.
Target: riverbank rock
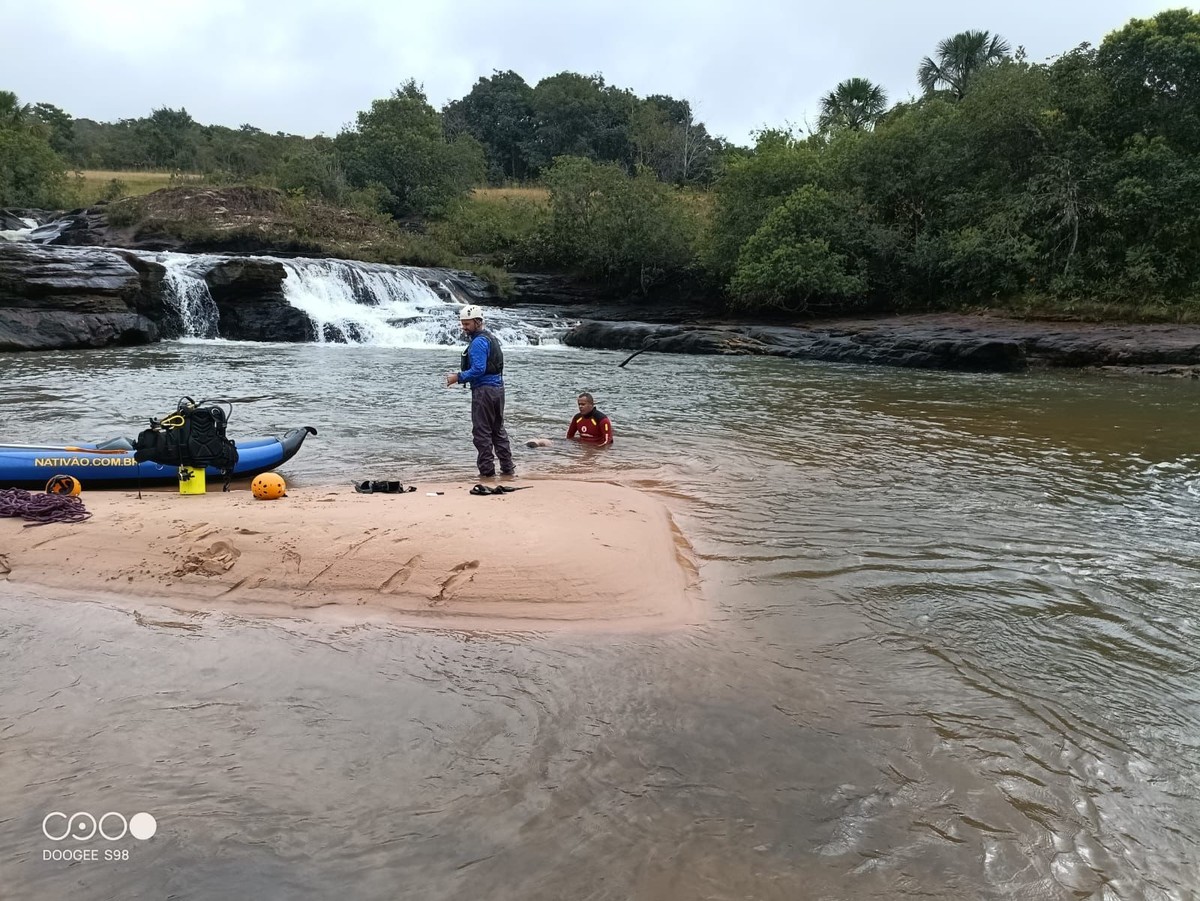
(965, 352)
(948, 341)
(75, 298)
(251, 303)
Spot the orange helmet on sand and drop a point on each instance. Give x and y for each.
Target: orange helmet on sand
(64, 485)
(268, 486)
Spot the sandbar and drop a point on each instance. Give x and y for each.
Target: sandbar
(556, 554)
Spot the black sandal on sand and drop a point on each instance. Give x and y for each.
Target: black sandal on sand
(482, 489)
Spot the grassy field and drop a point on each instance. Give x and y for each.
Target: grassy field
(94, 184)
(534, 193)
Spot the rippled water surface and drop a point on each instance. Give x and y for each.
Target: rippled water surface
(952, 652)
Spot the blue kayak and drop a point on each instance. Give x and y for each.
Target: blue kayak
(111, 464)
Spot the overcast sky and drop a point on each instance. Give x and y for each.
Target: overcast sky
(303, 68)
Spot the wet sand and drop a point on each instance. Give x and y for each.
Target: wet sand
(556, 554)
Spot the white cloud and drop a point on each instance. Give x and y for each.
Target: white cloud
(307, 67)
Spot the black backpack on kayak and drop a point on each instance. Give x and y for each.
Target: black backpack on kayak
(194, 435)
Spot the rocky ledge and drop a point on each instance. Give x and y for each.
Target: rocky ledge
(942, 341)
(55, 297)
(61, 297)
(74, 297)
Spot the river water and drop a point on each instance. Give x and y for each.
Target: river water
(951, 650)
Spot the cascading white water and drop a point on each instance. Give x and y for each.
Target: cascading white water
(19, 234)
(351, 302)
(184, 286)
(361, 303)
(393, 306)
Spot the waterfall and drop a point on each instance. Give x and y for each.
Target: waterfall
(187, 291)
(19, 234)
(396, 306)
(348, 302)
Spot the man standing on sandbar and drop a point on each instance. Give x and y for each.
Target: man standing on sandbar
(482, 367)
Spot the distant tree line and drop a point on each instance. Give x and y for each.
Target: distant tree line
(503, 130)
(1073, 179)
(523, 129)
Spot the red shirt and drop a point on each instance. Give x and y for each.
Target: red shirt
(594, 427)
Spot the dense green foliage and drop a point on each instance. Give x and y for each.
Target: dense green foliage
(630, 231)
(32, 174)
(633, 231)
(1068, 183)
(815, 246)
(1071, 182)
(399, 146)
(512, 232)
(524, 129)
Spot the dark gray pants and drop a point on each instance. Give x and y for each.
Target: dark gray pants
(487, 429)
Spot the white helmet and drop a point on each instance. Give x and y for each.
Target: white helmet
(470, 311)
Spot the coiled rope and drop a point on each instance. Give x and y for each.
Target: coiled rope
(41, 508)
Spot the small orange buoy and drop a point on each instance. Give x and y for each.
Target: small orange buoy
(68, 485)
(268, 486)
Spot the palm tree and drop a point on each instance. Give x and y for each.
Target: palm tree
(855, 104)
(12, 113)
(959, 58)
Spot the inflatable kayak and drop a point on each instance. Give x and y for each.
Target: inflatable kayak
(111, 464)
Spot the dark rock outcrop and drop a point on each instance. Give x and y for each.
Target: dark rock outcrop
(64, 298)
(14, 218)
(1044, 343)
(78, 228)
(964, 343)
(966, 354)
(465, 287)
(249, 297)
(549, 289)
(149, 299)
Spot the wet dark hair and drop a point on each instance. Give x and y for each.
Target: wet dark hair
(583, 394)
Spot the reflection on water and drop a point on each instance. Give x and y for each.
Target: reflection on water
(953, 655)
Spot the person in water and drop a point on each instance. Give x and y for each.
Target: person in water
(482, 368)
(590, 425)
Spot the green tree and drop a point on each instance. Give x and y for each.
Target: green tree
(31, 173)
(313, 173)
(169, 137)
(652, 132)
(959, 59)
(811, 250)
(399, 145)
(1153, 67)
(12, 114)
(579, 115)
(855, 104)
(1152, 222)
(667, 139)
(630, 231)
(750, 188)
(58, 126)
(498, 112)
